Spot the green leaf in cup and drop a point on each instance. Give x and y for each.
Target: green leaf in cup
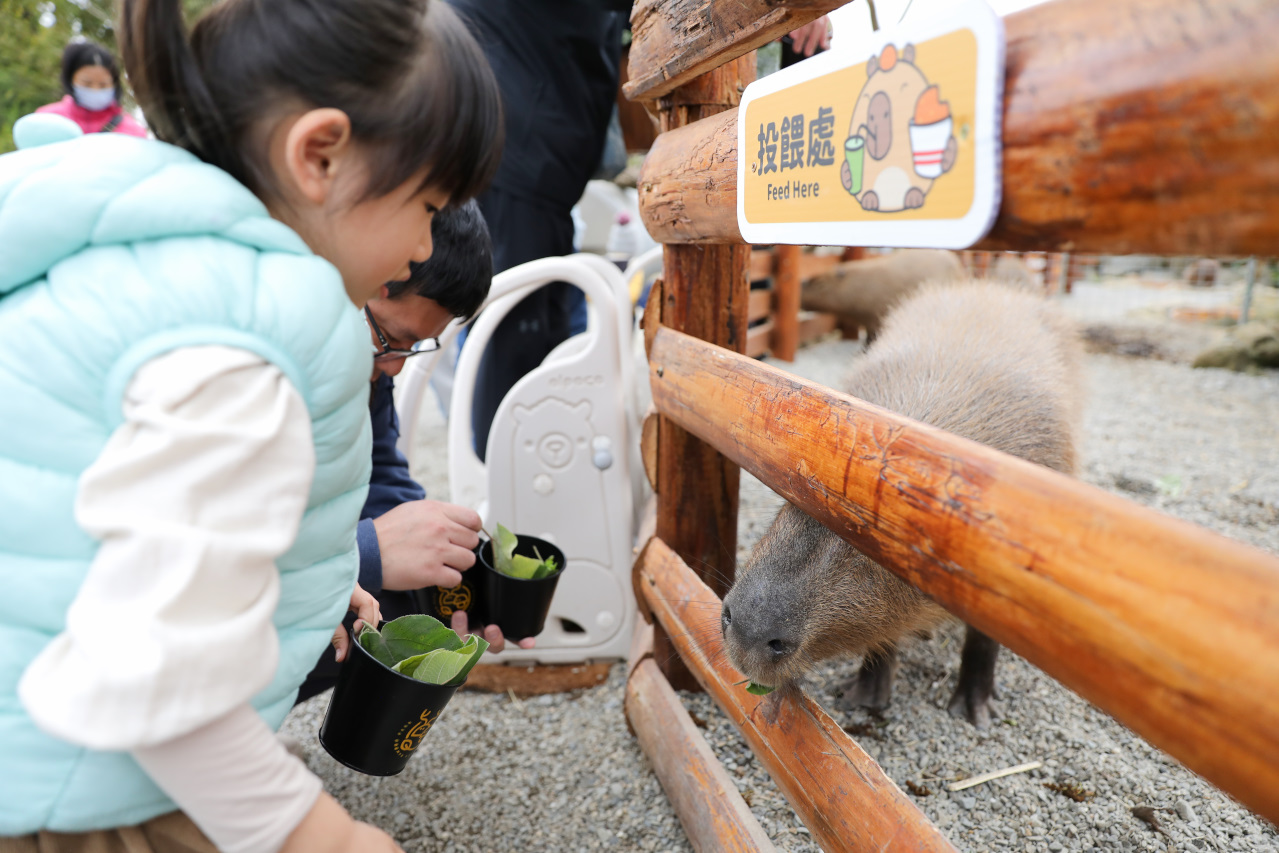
(373, 643)
(444, 666)
(506, 561)
(504, 550)
(423, 648)
(417, 634)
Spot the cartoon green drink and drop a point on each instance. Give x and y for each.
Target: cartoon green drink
(855, 156)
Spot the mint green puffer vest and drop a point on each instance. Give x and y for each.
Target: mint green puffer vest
(114, 250)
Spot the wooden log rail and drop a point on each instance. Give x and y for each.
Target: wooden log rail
(838, 791)
(1142, 127)
(675, 41)
(1172, 629)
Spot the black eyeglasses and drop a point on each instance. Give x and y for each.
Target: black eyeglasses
(390, 353)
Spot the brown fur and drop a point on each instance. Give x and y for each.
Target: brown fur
(862, 292)
(979, 359)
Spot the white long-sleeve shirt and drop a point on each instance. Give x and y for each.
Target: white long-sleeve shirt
(194, 496)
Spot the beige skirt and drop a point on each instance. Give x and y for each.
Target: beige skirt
(168, 833)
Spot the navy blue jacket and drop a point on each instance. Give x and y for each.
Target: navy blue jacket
(389, 485)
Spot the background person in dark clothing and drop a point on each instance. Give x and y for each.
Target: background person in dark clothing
(556, 62)
(407, 542)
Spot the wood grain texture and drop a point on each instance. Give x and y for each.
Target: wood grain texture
(675, 41)
(704, 293)
(785, 334)
(648, 447)
(839, 792)
(536, 680)
(1172, 629)
(1145, 129)
(710, 808)
(757, 339)
(761, 304)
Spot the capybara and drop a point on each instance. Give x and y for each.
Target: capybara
(982, 360)
(862, 292)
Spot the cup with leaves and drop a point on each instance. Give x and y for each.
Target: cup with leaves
(517, 580)
(392, 688)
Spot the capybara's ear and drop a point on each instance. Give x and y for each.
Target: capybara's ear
(872, 65)
(908, 54)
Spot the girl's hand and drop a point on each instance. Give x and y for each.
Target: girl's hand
(327, 828)
(366, 608)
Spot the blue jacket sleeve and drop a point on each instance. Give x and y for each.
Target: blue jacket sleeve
(389, 485)
(370, 557)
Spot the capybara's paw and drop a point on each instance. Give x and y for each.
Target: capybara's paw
(971, 705)
(870, 201)
(914, 198)
(872, 687)
(949, 156)
(846, 176)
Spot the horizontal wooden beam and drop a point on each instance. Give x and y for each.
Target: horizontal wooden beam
(708, 804)
(1151, 131)
(757, 339)
(838, 791)
(1171, 628)
(674, 41)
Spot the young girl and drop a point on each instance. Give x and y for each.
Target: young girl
(184, 435)
(91, 82)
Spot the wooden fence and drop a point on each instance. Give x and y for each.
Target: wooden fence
(1130, 126)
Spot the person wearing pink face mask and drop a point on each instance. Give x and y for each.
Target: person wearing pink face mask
(91, 80)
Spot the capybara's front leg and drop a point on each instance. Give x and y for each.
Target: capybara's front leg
(976, 687)
(872, 687)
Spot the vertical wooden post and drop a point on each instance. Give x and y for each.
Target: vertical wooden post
(705, 294)
(786, 301)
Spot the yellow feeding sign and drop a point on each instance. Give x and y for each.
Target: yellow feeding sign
(890, 141)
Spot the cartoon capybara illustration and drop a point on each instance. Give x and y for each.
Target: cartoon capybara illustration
(900, 137)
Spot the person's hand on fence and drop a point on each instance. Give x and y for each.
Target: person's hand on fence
(492, 633)
(812, 37)
(426, 543)
(367, 611)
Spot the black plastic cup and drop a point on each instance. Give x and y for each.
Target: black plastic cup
(516, 605)
(442, 602)
(377, 717)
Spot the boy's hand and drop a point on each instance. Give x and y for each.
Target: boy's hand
(492, 633)
(367, 610)
(327, 828)
(426, 543)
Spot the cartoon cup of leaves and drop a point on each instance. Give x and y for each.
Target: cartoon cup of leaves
(392, 688)
(930, 130)
(518, 576)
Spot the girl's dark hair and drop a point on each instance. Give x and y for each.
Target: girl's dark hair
(408, 73)
(78, 54)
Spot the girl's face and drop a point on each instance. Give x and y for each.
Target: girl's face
(373, 241)
(92, 77)
(323, 176)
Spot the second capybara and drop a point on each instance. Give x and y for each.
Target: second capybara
(983, 360)
(862, 292)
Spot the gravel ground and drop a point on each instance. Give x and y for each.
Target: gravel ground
(561, 773)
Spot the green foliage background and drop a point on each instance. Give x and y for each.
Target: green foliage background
(32, 36)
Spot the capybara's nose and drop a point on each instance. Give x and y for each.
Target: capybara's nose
(754, 629)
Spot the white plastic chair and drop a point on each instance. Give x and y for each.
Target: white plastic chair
(562, 460)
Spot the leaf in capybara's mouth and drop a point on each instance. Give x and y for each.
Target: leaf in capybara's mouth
(755, 688)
